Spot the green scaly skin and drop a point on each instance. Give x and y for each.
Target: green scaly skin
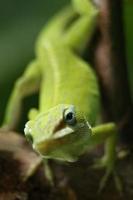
(63, 127)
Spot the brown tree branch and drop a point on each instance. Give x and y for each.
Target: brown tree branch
(110, 62)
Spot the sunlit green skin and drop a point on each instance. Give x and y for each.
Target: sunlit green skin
(71, 80)
(64, 80)
(63, 64)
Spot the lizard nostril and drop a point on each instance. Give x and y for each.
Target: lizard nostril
(27, 131)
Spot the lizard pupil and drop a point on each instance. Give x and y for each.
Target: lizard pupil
(69, 116)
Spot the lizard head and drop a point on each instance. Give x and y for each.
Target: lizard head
(61, 133)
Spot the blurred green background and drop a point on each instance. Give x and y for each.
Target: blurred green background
(20, 23)
(128, 22)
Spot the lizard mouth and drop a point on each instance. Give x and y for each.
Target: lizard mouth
(57, 140)
(61, 125)
(45, 147)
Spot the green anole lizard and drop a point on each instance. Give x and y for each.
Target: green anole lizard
(64, 125)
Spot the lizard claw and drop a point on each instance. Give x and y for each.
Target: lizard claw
(105, 178)
(110, 171)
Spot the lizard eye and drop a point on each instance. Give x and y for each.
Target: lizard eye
(69, 116)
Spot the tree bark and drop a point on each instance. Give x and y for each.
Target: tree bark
(111, 66)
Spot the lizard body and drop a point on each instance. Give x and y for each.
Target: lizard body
(63, 126)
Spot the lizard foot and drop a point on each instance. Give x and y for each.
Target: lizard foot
(109, 171)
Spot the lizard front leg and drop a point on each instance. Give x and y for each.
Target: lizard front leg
(25, 85)
(109, 133)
